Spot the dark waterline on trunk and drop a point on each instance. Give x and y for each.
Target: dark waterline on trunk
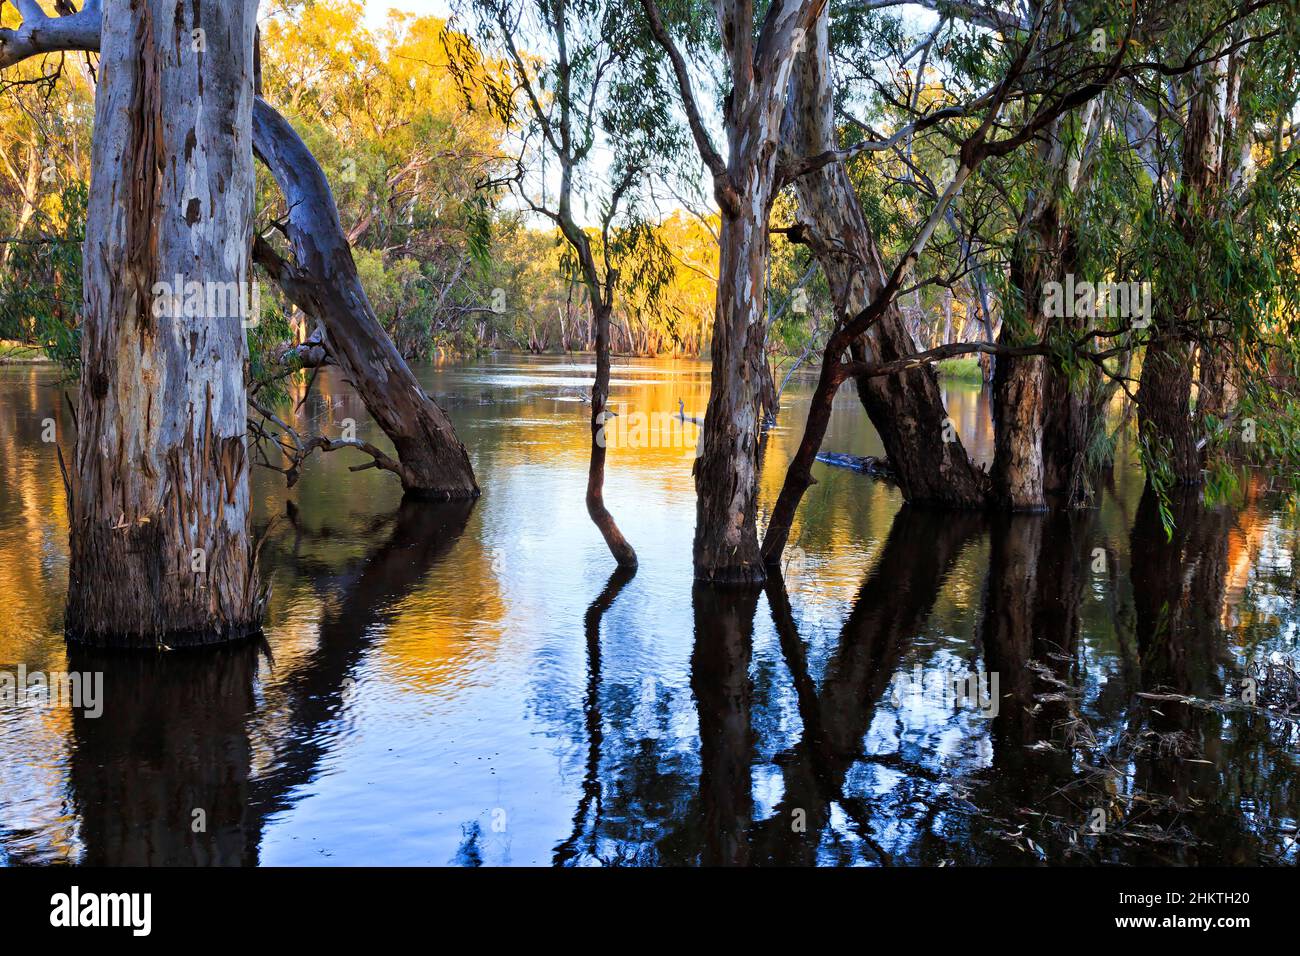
(467, 684)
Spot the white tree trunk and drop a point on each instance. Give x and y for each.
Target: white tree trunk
(161, 550)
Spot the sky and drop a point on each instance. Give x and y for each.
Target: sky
(376, 10)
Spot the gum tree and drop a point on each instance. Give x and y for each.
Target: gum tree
(161, 543)
(576, 97)
(759, 55)
(987, 127)
(907, 409)
(318, 275)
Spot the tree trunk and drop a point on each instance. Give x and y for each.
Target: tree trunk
(1164, 399)
(907, 409)
(1165, 419)
(323, 282)
(618, 546)
(1070, 417)
(744, 184)
(1032, 397)
(726, 473)
(161, 549)
(1019, 387)
(1216, 392)
(768, 398)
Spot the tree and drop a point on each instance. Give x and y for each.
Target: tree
(321, 279)
(1026, 72)
(161, 543)
(567, 104)
(907, 409)
(158, 427)
(745, 184)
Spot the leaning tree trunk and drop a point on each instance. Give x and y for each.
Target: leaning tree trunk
(907, 409)
(161, 549)
(323, 282)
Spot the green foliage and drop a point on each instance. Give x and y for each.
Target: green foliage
(40, 288)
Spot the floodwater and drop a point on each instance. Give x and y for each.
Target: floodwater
(470, 685)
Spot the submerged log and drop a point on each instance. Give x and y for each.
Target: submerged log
(863, 464)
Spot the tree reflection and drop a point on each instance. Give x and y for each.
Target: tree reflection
(586, 819)
(165, 777)
(891, 608)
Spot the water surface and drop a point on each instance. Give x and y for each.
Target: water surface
(471, 685)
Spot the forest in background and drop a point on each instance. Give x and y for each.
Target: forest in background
(1098, 205)
(419, 170)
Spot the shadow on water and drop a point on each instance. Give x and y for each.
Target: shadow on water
(434, 666)
(889, 611)
(1066, 738)
(164, 776)
(724, 691)
(1084, 775)
(161, 778)
(586, 819)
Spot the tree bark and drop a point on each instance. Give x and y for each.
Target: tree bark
(1164, 400)
(1018, 383)
(906, 410)
(1071, 416)
(1165, 421)
(435, 463)
(1041, 424)
(161, 547)
(726, 473)
(323, 282)
(726, 547)
(623, 552)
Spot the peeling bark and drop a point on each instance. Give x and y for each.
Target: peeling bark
(906, 410)
(726, 547)
(1041, 424)
(726, 473)
(161, 546)
(434, 463)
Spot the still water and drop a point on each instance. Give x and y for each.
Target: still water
(469, 685)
